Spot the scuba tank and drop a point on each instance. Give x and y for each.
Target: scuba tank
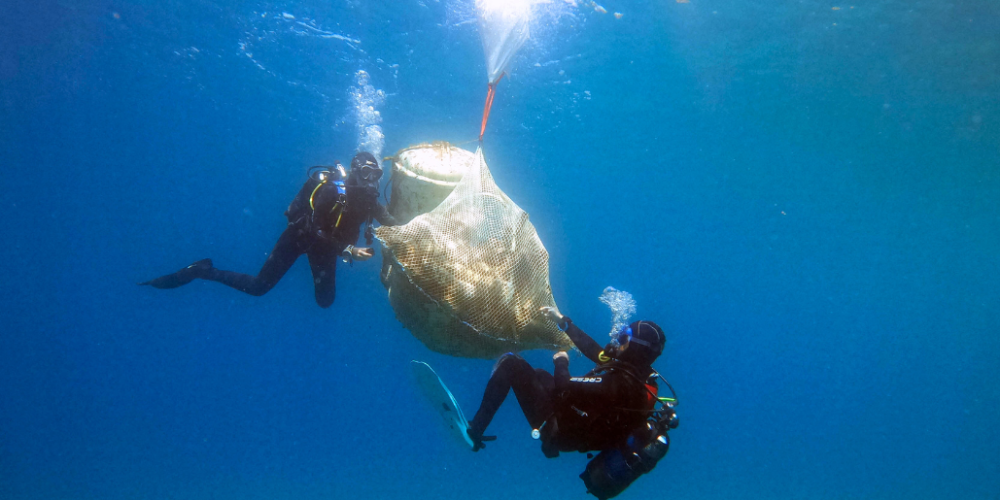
(334, 177)
(613, 470)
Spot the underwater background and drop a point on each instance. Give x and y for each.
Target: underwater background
(804, 194)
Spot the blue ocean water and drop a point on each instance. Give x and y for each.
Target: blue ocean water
(804, 194)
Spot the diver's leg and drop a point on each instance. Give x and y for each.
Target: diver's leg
(534, 394)
(199, 269)
(283, 255)
(543, 409)
(323, 261)
(530, 388)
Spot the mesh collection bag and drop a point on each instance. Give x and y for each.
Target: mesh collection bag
(468, 277)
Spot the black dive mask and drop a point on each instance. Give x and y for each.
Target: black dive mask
(369, 173)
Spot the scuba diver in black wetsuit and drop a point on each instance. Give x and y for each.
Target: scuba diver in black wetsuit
(612, 409)
(324, 222)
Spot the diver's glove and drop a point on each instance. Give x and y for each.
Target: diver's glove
(478, 439)
(553, 315)
(353, 253)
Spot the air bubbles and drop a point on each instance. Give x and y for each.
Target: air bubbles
(622, 307)
(366, 100)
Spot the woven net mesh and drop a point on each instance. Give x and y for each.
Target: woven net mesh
(468, 278)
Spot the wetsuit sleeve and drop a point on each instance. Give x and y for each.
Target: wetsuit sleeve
(599, 387)
(561, 371)
(383, 216)
(588, 346)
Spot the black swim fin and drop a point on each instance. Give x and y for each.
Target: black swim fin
(199, 269)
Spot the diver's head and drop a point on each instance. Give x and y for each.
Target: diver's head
(365, 167)
(640, 343)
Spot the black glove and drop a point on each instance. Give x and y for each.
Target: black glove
(478, 439)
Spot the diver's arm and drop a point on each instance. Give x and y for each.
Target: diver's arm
(561, 373)
(352, 253)
(588, 346)
(591, 387)
(383, 216)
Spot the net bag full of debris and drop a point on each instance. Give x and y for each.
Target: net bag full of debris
(468, 277)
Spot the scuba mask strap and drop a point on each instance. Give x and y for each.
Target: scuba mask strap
(640, 342)
(631, 338)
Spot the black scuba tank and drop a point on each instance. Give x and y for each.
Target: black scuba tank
(611, 471)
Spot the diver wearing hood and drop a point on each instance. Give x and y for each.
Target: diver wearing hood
(612, 409)
(324, 222)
